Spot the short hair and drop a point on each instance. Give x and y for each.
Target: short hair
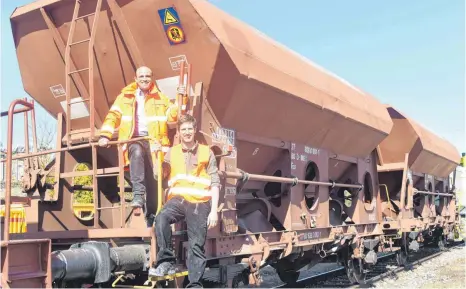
(186, 118)
(142, 68)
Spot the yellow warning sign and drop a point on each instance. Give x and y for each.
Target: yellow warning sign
(171, 22)
(169, 18)
(175, 34)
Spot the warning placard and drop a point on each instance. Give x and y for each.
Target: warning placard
(172, 25)
(169, 18)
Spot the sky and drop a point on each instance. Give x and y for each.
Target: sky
(410, 54)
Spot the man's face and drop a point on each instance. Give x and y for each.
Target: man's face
(187, 132)
(144, 78)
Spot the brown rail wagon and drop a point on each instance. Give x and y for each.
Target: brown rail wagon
(296, 146)
(417, 196)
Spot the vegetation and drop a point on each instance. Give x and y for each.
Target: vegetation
(45, 139)
(128, 195)
(82, 196)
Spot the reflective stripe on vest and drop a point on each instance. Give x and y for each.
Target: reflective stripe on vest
(189, 178)
(189, 191)
(158, 109)
(193, 185)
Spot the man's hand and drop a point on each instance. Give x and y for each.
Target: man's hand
(181, 89)
(103, 142)
(212, 219)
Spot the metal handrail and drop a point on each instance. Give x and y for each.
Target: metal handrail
(71, 148)
(417, 192)
(265, 178)
(9, 160)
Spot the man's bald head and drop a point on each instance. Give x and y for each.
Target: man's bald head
(144, 78)
(143, 70)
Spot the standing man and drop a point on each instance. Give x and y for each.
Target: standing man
(140, 110)
(193, 195)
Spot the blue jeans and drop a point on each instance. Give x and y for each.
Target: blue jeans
(195, 215)
(140, 170)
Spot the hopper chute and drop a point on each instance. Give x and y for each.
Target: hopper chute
(428, 153)
(253, 84)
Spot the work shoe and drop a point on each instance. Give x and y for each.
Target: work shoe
(166, 268)
(137, 204)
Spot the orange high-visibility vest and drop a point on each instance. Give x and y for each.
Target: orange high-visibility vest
(158, 110)
(193, 186)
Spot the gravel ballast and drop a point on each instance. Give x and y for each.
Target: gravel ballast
(445, 271)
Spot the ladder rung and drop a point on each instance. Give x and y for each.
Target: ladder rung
(79, 70)
(84, 16)
(110, 208)
(107, 208)
(78, 42)
(107, 175)
(71, 103)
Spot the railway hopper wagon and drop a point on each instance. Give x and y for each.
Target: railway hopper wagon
(417, 195)
(297, 148)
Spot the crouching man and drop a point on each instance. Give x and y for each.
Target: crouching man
(193, 195)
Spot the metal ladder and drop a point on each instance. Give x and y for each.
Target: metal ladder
(90, 100)
(121, 185)
(90, 68)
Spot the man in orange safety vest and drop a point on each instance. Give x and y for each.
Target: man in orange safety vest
(193, 195)
(140, 110)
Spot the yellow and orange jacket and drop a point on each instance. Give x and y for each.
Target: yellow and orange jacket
(158, 108)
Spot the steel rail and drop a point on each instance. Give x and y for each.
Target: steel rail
(341, 270)
(336, 271)
(410, 265)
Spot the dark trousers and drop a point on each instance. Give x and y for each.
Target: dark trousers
(140, 167)
(175, 210)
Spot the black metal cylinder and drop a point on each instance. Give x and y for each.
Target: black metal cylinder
(82, 263)
(129, 258)
(73, 264)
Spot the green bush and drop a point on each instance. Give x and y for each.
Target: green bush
(81, 196)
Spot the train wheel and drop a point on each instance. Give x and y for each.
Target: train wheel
(241, 280)
(288, 277)
(402, 254)
(401, 258)
(441, 243)
(355, 271)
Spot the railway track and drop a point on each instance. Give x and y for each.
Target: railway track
(386, 266)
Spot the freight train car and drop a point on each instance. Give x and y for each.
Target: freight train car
(297, 148)
(417, 198)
